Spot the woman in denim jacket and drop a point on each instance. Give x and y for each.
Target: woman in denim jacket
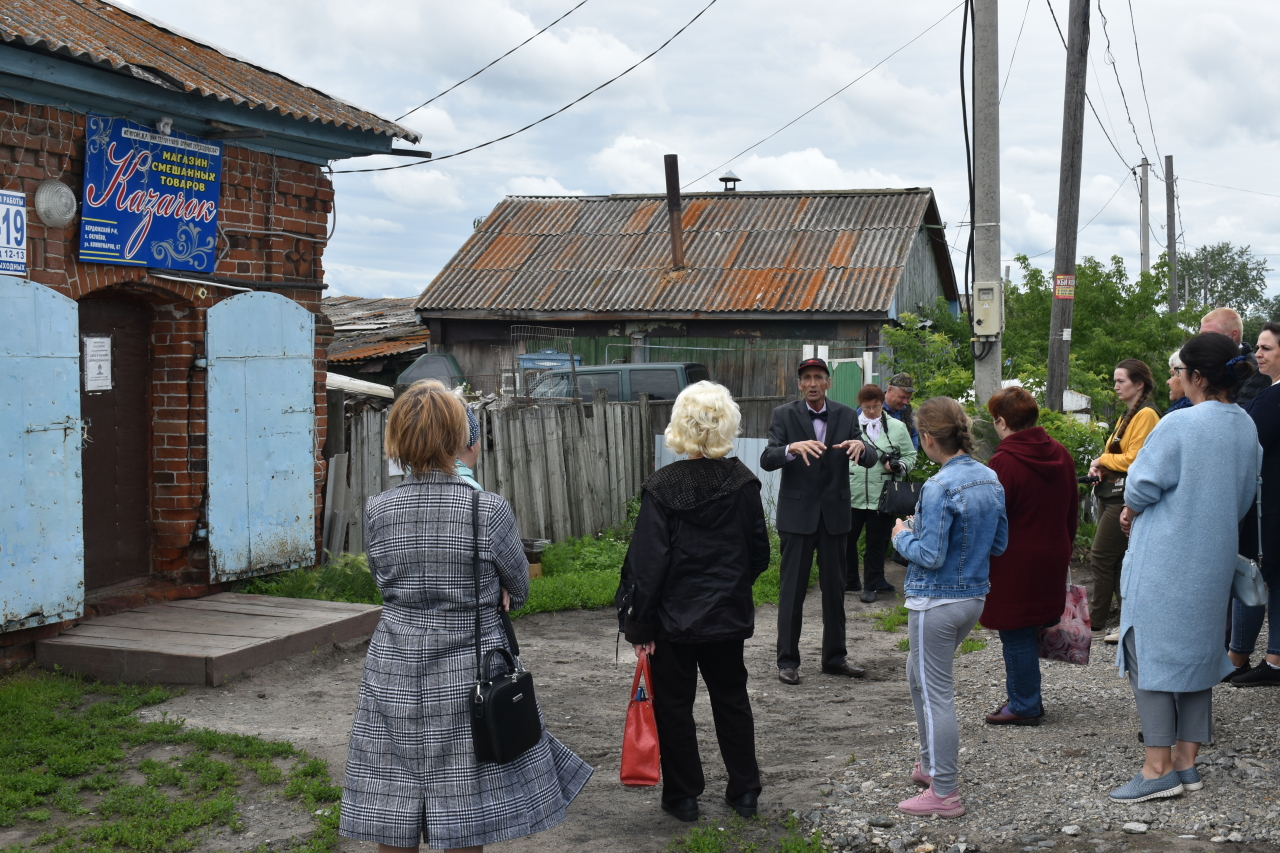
(959, 524)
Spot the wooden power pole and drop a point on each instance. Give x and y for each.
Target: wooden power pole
(1171, 235)
(988, 287)
(1064, 259)
(1144, 217)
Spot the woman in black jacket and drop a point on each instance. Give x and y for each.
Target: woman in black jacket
(699, 544)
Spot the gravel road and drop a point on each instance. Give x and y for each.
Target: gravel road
(835, 751)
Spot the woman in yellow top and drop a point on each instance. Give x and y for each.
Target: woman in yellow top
(1134, 384)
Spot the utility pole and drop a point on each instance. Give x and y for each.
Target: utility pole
(1204, 280)
(1144, 224)
(1171, 232)
(988, 288)
(1064, 258)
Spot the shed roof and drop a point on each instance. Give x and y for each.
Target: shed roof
(372, 328)
(146, 49)
(746, 253)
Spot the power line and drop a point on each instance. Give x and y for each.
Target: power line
(1143, 78)
(499, 59)
(1091, 218)
(1225, 187)
(1016, 42)
(824, 100)
(1109, 58)
(544, 118)
(1087, 99)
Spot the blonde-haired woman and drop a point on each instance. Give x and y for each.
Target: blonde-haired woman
(412, 774)
(699, 544)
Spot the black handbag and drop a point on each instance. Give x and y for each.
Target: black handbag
(899, 498)
(505, 723)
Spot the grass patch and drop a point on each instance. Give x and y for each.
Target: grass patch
(904, 645)
(890, 620)
(344, 578)
(62, 739)
(971, 644)
(741, 836)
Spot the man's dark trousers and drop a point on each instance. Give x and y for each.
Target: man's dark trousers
(675, 682)
(797, 562)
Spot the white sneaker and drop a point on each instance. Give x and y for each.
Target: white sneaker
(1113, 638)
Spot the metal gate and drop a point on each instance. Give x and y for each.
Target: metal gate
(41, 533)
(261, 401)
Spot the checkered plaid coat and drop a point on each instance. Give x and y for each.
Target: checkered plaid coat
(411, 774)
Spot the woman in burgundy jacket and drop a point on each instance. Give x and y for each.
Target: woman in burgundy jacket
(1029, 580)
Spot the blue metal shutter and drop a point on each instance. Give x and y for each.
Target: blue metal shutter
(41, 515)
(261, 423)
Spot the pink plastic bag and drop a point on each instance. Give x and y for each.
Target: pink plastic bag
(1071, 639)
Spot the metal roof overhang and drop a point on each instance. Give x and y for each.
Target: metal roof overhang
(42, 78)
(614, 316)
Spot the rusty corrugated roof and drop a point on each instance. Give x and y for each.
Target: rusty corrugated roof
(775, 252)
(149, 50)
(372, 328)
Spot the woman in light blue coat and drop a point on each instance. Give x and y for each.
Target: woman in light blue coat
(1194, 480)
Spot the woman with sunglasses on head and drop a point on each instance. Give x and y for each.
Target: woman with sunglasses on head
(1133, 385)
(1185, 496)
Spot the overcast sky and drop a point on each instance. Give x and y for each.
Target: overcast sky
(742, 71)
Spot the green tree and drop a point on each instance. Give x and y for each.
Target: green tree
(1265, 312)
(935, 359)
(1114, 318)
(1237, 278)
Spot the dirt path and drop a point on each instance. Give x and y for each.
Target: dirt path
(806, 735)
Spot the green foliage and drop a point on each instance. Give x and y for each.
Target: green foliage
(890, 620)
(345, 577)
(603, 553)
(941, 365)
(61, 736)
(904, 645)
(971, 644)
(1113, 318)
(1237, 278)
(731, 837)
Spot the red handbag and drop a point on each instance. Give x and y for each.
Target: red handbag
(640, 757)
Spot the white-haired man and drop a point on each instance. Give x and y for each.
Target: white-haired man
(1226, 321)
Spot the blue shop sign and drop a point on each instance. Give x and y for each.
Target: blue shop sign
(149, 199)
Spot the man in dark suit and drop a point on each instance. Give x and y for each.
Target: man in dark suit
(812, 441)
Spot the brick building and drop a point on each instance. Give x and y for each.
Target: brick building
(198, 460)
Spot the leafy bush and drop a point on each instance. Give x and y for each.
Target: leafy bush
(344, 578)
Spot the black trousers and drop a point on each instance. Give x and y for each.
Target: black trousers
(797, 562)
(675, 669)
(879, 525)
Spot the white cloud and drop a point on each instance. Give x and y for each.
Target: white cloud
(420, 188)
(526, 185)
(631, 165)
(361, 224)
(373, 283)
(809, 169)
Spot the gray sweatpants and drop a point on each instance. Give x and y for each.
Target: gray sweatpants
(935, 635)
(1168, 717)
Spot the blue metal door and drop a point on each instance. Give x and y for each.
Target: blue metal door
(41, 519)
(261, 398)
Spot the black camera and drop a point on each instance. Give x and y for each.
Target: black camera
(894, 460)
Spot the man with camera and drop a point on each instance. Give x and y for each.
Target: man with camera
(813, 440)
(892, 442)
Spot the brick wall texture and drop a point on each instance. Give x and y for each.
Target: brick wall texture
(273, 220)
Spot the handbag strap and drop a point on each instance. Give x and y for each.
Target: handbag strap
(1257, 505)
(475, 570)
(642, 667)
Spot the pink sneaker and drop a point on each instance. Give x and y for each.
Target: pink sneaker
(921, 778)
(928, 803)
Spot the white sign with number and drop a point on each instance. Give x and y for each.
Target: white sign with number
(13, 232)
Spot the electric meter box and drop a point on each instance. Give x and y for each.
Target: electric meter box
(988, 308)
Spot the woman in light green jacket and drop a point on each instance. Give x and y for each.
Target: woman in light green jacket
(898, 457)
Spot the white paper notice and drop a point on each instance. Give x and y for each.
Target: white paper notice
(97, 363)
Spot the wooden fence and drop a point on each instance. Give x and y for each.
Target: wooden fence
(354, 477)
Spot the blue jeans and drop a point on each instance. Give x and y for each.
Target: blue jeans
(1022, 671)
(1246, 624)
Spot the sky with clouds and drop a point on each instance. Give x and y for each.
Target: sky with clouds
(744, 69)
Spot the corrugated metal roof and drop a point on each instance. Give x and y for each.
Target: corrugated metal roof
(826, 252)
(372, 328)
(153, 51)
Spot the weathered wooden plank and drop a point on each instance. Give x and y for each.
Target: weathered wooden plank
(287, 603)
(556, 487)
(221, 667)
(613, 443)
(243, 608)
(197, 625)
(113, 664)
(532, 478)
(158, 638)
(336, 505)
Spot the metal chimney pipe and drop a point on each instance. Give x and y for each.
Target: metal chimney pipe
(672, 164)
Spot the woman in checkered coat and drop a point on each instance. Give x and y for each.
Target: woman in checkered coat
(412, 774)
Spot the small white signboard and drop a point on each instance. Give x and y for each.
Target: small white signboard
(97, 363)
(13, 232)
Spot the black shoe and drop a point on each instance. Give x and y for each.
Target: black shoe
(685, 808)
(853, 587)
(788, 675)
(847, 670)
(1240, 670)
(1262, 675)
(744, 804)
(888, 587)
(868, 596)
